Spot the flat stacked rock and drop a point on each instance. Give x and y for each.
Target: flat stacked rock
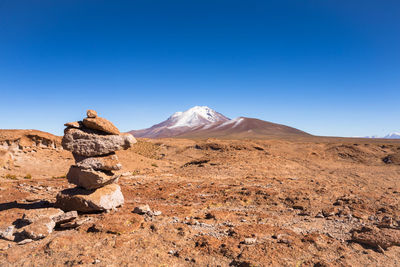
(93, 143)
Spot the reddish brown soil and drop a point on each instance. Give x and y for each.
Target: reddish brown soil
(298, 200)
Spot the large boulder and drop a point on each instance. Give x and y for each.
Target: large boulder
(89, 178)
(102, 199)
(89, 143)
(101, 124)
(107, 163)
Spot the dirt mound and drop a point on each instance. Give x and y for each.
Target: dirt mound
(147, 149)
(21, 139)
(211, 146)
(233, 145)
(352, 153)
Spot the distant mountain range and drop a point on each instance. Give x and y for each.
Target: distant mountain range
(389, 136)
(204, 122)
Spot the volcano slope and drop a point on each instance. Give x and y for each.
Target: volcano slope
(277, 202)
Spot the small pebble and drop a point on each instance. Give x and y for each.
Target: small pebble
(250, 241)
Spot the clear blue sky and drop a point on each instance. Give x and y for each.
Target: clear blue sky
(324, 66)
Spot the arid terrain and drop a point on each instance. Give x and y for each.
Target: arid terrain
(306, 201)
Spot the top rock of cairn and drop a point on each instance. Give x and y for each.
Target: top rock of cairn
(91, 113)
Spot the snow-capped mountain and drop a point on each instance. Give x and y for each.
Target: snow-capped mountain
(194, 117)
(180, 122)
(394, 135)
(203, 122)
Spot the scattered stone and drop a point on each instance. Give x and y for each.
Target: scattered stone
(75, 124)
(91, 143)
(101, 124)
(7, 233)
(90, 179)
(191, 221)
(157, 213)
(25, 241)
(360, 215)
(377, 238)
(107, 163)
(91, 113)
(210, 215)
(66, 217)
(329, 211)
(249, 241)
(38, 229)
(76, 223)
(387, 222)
(79, 199)
(33, 215)
(144, 209)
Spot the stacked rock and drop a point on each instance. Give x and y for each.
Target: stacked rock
(93, 143)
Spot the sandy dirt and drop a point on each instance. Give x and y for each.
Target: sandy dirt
(275, 202)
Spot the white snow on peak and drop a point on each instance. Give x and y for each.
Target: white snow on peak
(235, 122)
(176, 114)
(196, 116)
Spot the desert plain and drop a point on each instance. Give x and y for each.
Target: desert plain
(275, 201)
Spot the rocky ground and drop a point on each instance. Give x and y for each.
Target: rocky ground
(275, 202)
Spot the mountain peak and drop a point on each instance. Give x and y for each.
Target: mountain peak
(195, 116)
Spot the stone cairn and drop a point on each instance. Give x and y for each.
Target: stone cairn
(93, 143)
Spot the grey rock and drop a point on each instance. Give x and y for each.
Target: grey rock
(144, 209)
(107, 163)
(89, 143)
(38, 229)
(79, 199)
(250, 241)
(7, 233)
(90, 179)
(157, 213)
(66, 217)
(76, 223)
(33, 215)
(25, 241)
